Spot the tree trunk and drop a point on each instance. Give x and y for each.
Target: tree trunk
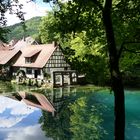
(116, 79)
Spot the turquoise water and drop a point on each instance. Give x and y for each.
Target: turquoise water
(132, 110)
(80, 122)
(132, 115)
(81, 113)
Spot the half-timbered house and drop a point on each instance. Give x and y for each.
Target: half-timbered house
(42, 62)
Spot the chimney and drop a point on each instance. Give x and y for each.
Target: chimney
(55, 43)
(24, 38)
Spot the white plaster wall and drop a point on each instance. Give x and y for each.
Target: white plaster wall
(24, 69)
(40, 77)
(32, 75)
(56, 69)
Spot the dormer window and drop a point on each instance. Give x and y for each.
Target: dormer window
(31, 56)
(28, 60)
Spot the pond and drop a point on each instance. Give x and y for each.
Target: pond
(80, 113)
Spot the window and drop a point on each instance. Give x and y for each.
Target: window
(38, 72)
(65, 68)
(28, 60)
(29, 71)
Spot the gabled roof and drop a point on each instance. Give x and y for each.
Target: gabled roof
(32, 53)
(24, 42)
(13, 42)
(34, 99)
(3, 46)
(30, 40)
(43, 56)
(43, 102)
(6, 56)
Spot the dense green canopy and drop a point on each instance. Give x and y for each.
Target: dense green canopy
(78, 27)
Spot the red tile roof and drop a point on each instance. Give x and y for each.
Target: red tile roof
(32, 53)
(44, 102)
(4, 46)
(45, 52)
(13, 42)
(24, 42)
(6, 56)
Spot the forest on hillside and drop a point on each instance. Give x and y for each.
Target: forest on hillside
(17, 31)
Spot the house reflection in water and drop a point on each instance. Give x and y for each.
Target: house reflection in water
(34, 99)
(51, 101)
(58, 96)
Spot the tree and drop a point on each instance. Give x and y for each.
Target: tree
(13, 7)
(116, 78)
(48, 29)
(84, 53)
(112, 22)
(3, 33)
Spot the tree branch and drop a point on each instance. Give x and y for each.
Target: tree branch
(120, 50)
(98, 4)
(124, 48)
(132, 51)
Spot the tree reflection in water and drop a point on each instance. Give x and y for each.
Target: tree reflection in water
(77, 116)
